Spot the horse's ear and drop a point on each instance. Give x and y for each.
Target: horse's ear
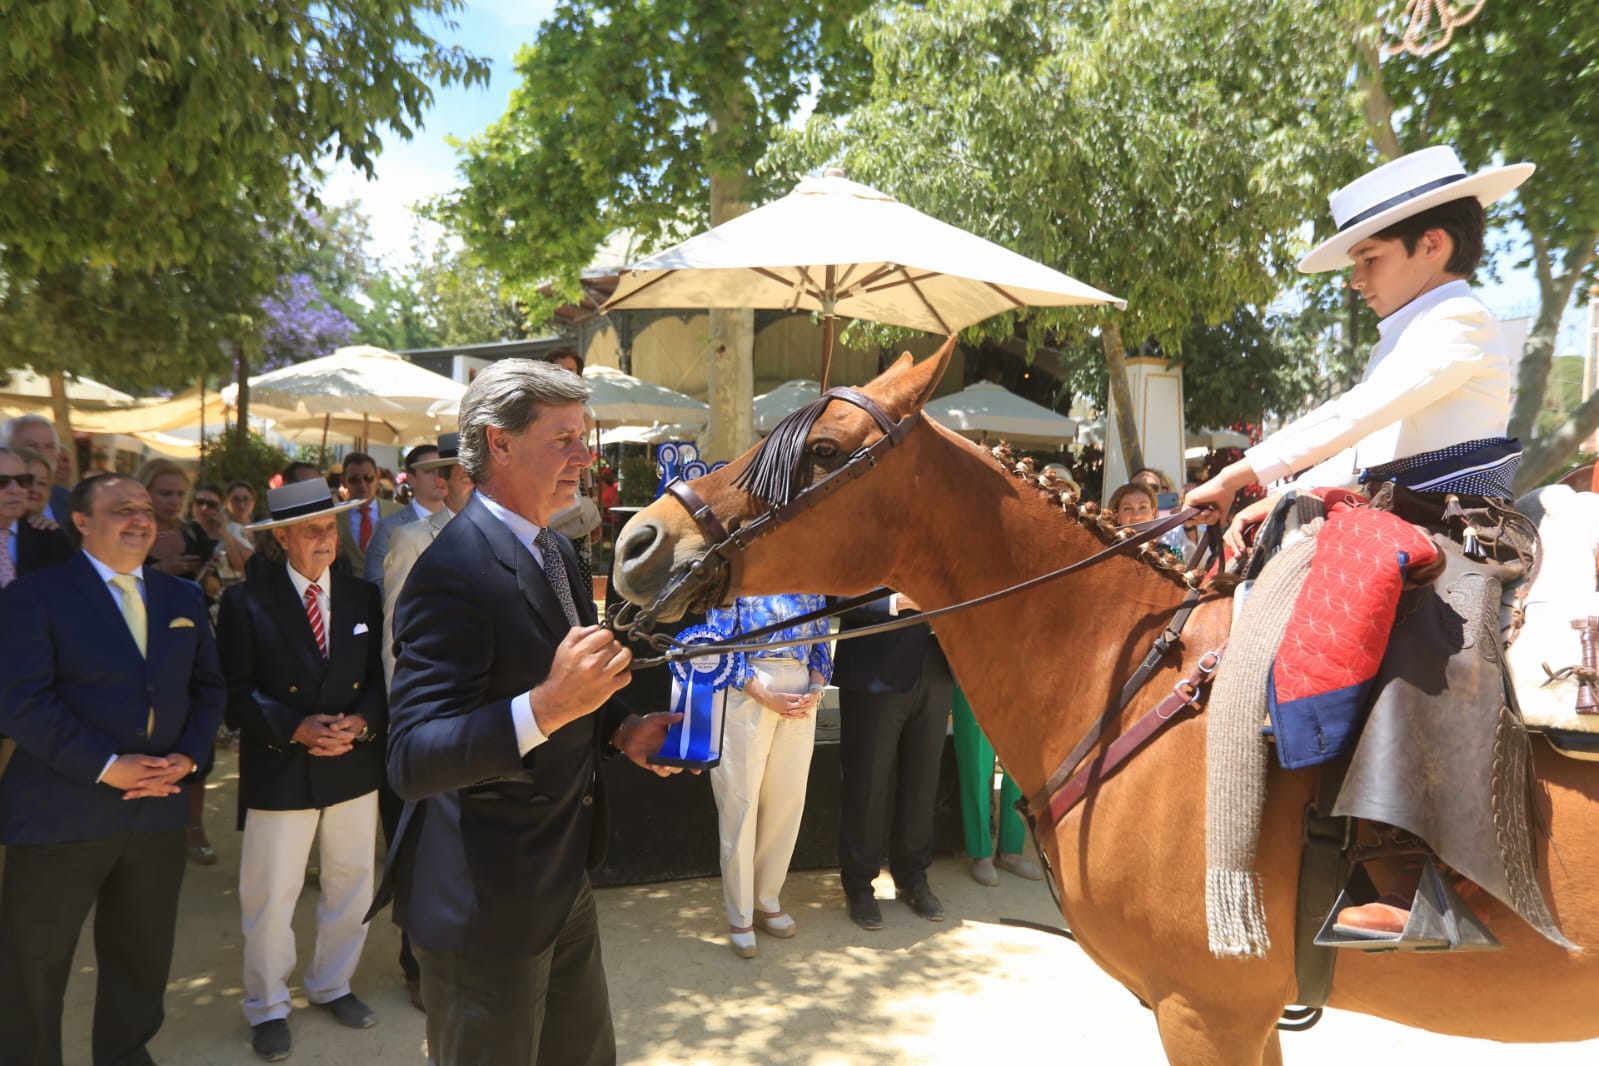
(908, 385)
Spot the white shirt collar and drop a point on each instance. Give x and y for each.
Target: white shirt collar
(106, 573)
(1401, 318)
(521, 528)
(422, 513)
(301, 582)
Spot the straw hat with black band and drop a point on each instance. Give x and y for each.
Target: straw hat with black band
(1395, 191)
(298, 502)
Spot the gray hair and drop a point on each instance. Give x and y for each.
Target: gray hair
(9, 430)
(507, 395)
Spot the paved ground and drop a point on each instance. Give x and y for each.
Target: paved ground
(966, 991)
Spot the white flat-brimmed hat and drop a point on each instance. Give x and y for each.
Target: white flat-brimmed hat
(300, 501)
(449, 454)
(1407, 186)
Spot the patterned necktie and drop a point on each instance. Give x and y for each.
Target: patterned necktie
(366, 525)
(8, 569)
(313, 614)
(555, 570)
(133, 609)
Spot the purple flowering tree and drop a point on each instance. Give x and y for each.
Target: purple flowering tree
(299, 324)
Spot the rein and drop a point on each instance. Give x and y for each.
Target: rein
(674, 650)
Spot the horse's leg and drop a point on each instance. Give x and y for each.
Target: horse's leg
(1213, 1035)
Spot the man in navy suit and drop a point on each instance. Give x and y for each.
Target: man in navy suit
(500, 710)
(894, 694)
(111, 689)
(299, 648)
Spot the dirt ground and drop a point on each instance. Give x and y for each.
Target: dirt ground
(962, 992)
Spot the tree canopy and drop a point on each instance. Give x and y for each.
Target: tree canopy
(1165, 153)
(154, 156)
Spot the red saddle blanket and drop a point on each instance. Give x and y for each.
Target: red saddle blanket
(1334, 642)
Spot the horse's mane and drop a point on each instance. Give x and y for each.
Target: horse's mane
(1062, 493)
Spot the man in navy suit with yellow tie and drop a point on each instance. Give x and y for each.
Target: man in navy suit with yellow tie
(111, 689)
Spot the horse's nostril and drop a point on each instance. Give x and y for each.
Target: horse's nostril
(638, 543)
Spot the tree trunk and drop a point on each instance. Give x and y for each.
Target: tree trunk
(241, 411)
(1375, 104)
(1121, 394)
(62, 411)
(730, 356)
(1545, 456)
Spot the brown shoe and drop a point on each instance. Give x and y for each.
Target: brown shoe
(1384, 919)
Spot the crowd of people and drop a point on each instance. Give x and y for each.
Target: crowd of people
(454, 699)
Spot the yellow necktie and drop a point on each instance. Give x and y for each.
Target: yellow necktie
(138, 625)
(133, 609)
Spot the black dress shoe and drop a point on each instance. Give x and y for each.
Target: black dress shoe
(863, 909)
(350, 1011)
(270, 1040)
(923, 902)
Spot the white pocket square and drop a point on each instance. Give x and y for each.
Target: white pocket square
(360, 627)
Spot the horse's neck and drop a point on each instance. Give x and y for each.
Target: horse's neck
(1039, 666)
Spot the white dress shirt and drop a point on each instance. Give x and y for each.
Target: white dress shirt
(528, 733)
(324, 597)
(1439, 375)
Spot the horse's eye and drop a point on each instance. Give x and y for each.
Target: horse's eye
(824, 450)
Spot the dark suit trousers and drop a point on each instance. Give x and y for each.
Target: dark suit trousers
(887, 737)
(549, 1009)
(132, 881)
(390, 807)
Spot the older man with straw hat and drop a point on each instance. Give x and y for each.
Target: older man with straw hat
(300, 652)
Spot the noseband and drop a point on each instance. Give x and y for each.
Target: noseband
(775, 475)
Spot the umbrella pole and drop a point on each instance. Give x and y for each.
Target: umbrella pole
(827, 349)
(324, 460)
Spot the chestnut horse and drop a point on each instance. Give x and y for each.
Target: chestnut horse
(940, 520)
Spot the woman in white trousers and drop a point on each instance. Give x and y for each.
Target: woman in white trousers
(759, 784)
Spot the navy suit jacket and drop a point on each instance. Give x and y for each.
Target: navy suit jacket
(74, 691)
(276, 677)
(491, 848)
(888, 662)
(61, 505)
(39, 548)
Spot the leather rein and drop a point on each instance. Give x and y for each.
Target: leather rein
(721, 562)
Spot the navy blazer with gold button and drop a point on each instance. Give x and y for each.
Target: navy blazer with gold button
(75, 691)
(277, 677)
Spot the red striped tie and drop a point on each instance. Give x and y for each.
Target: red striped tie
(313, 614)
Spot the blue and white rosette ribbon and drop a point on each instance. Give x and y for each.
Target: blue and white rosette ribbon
(698, 693)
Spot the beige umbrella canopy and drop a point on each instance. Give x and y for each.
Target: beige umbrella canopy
(360, 392)
(619, 399)
(771, 407)
(845, 249)
(988, 410)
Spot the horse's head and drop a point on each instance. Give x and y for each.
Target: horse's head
(789, 515)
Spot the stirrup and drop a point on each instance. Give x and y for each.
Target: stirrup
(1439, 920)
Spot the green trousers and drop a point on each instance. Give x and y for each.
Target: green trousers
(975, 758)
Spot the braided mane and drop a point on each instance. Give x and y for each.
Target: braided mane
(1064, 494)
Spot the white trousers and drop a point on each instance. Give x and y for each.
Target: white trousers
(277, 845)
(760, 791)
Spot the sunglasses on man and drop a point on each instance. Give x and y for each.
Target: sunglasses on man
(23, 480)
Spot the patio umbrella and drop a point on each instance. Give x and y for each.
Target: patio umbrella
(656, 434)
(621, 399)
(842, 248)
(770, 407)
(984, 409)
(360, 380)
